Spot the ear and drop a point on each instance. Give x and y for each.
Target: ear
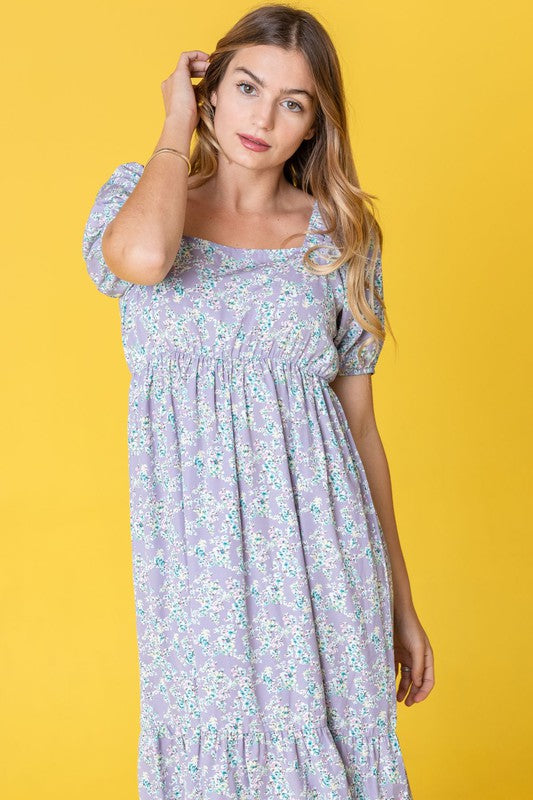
(310, 134)
(213, 98)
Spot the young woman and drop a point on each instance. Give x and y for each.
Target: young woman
(265, 551)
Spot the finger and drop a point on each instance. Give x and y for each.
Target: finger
(200, 62)
(417, 673)
(403, 686)
(193, 55)
(428, 679)
(198, 68)
(423, 685)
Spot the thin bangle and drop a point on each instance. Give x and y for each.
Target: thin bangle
(170, 150)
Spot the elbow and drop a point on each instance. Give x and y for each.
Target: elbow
(132, 263)
(144, 267)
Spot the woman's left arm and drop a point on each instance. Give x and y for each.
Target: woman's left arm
(412, 647)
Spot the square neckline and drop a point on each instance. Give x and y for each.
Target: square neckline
(308, 234)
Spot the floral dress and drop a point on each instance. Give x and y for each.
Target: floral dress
(263, 591)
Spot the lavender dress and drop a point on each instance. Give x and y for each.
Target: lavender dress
(263, 588)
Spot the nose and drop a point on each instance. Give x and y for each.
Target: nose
(264, 115)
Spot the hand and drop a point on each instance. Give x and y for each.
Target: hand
(178, 92)
(412, 649)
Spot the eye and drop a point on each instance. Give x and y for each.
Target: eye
(298, 106)
(243, 83)
(249, 85)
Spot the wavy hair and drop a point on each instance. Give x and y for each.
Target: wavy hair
(322, 166)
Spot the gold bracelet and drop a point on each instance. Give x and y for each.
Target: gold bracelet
(169, 150)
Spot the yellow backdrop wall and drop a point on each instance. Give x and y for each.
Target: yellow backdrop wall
(442, 131)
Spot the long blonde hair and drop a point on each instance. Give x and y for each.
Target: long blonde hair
(323, 166)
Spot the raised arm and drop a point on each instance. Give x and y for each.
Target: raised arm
(140, 243)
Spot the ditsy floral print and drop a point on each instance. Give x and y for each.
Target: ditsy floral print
(263, 587)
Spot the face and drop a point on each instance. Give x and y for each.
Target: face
(267, 93)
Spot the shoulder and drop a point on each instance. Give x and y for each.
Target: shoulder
(299, 199)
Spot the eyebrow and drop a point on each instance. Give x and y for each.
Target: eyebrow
(262, 83)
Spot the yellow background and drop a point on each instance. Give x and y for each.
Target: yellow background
(441, 130)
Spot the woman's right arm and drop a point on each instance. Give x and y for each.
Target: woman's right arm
(139, 245)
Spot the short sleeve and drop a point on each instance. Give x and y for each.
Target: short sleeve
(109, 200)
(356, 355)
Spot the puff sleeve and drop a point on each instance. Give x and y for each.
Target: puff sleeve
(109, 200)
(351, 336)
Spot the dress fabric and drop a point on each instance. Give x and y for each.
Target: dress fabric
(263, 586)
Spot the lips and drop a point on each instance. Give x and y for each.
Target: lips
(253, 139)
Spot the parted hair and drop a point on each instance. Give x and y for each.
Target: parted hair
(322, 166)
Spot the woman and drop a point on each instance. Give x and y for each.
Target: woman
(264, 578)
